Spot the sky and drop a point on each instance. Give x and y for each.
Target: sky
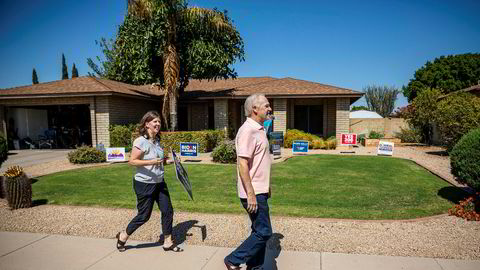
(349, 44)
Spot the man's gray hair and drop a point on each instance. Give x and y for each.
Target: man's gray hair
(251, 101)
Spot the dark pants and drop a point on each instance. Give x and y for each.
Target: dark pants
(147, 195)
(252, 250)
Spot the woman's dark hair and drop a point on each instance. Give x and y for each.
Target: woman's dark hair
(149, 116)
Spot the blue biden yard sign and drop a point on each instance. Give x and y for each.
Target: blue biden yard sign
(188, 149)
(300, 147)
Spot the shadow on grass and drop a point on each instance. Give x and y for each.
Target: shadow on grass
(33, 180)
(39, 202)
(454, 194)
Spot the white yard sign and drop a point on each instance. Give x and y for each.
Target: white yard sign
(385, 148)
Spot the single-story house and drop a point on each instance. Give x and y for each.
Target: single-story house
(80, 110)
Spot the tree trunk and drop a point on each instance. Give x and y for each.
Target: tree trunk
(173, 112)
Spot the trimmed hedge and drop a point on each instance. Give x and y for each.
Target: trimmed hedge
(464, 159)
(121, 136)
(375, 135)
(315, 142)
(295, 134)
(207, 139)
(225, 152)
(85, 154)
(3, 150)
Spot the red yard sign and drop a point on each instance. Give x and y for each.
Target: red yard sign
(349, 139)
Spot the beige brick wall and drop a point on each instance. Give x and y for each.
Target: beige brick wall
(280, 112)
(124, 110)
(100, 120)
(198, 116)
(115, 110)
(387, 126)
(221, 113)
(342, 117)
(331, 122)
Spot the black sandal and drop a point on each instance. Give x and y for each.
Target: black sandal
(120, 244)
(173, 248)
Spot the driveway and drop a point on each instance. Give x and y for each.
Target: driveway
(27, 158)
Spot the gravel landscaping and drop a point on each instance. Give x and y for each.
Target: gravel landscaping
(436, 237)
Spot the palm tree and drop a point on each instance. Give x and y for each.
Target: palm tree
(175, 9)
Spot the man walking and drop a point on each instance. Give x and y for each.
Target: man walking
(253, 183)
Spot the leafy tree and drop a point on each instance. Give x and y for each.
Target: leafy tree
(358, 108)
(422, 113)
(34, 77)
(381, 99)
(456, 115)
(448, 74)
(167, 43)
(402, 112)
(64, 68)
(74, 71)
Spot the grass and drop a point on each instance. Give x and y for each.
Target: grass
(328, 186)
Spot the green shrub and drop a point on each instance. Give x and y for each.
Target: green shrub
(121, 136)
(456, 115)
(375, 135)
(225, 152)
(319, 144)
(85, 154)
(361, 138)
(295, 134)
(3, 150)
(207, 139)
(331, 143)
(464, 159)
(411, 135)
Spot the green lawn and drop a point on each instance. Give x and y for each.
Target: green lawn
(329, 186)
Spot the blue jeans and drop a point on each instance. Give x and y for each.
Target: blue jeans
(252, 250)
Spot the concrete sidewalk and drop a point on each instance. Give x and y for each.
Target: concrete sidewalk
(42, 252)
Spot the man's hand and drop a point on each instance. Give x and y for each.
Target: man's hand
(252, 203)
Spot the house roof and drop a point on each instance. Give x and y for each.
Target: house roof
(475, 89)
(271, 87)
(201, 89)
(81, 86)
(364, 114)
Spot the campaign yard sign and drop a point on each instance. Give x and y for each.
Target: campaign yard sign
(188, 149)
(300, 147)
(385, 148)
(116, 154)
(349, 139)
(276, 142)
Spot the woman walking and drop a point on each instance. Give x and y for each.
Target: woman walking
(148, 183)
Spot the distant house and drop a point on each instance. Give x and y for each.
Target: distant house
(85, 107)
(364, 114)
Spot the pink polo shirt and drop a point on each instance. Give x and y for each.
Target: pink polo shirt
(252, 143)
